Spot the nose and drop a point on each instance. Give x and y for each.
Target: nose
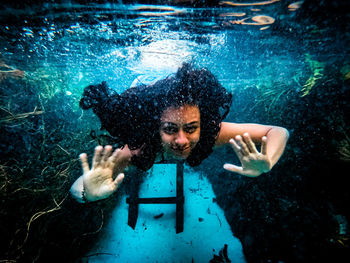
(181, 138)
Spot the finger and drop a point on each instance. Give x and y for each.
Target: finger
(118, 180)
(106, 153)
(239, 170)
(97, 156)
(249, 142)
(112, 160)
(263, 145)
(84, 163)
(236, 148)
(233, 168)
(242, 145)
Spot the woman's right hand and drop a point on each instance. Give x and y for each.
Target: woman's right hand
(98, 183)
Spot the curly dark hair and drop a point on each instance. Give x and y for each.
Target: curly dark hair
(133, 117)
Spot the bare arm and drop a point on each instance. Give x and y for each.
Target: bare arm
(243, 137)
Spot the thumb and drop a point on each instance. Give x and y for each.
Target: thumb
(233, 168)
(239, 170)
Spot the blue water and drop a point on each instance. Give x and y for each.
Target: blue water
(205, 228)
(275, 72)
(76, 46)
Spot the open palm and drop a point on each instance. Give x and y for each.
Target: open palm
(99, 182)
(254, 163)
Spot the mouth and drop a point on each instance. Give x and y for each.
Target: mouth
(180, 150)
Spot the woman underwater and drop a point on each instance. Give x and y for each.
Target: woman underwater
(179, 117)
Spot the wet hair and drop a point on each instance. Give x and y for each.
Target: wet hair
(133, 117)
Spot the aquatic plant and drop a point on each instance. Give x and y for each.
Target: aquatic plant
(344, 149)
(272, 96)
(345, 71)
(42, 135)
(317, 69)
(284, 82)
(12, 117)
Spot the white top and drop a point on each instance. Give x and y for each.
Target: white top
(206, 229)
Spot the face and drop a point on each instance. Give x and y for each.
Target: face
(180, 130)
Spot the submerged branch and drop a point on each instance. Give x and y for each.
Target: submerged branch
(20, 116)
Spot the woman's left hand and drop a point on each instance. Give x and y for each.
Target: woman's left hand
(254, 163)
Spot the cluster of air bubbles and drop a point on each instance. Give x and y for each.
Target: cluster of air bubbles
(27, 32)
(217, 39)
(73, 29)
(48, 31)
(105, 30)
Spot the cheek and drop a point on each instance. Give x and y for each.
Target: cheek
(166, 139)
(195, 139)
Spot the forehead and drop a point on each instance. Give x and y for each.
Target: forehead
(183, 114)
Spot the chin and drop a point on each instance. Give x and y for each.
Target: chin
(179, 156)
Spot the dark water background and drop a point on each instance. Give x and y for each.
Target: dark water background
(295, 74)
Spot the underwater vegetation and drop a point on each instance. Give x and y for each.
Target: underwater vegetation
(298, 212)
(42, 135)
(317, 69)
(344, 149)
(345, 70)
(273, 92)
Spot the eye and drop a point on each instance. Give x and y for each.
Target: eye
(190, 129)
(170, 129)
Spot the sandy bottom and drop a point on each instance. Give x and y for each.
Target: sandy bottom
(206, 230)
